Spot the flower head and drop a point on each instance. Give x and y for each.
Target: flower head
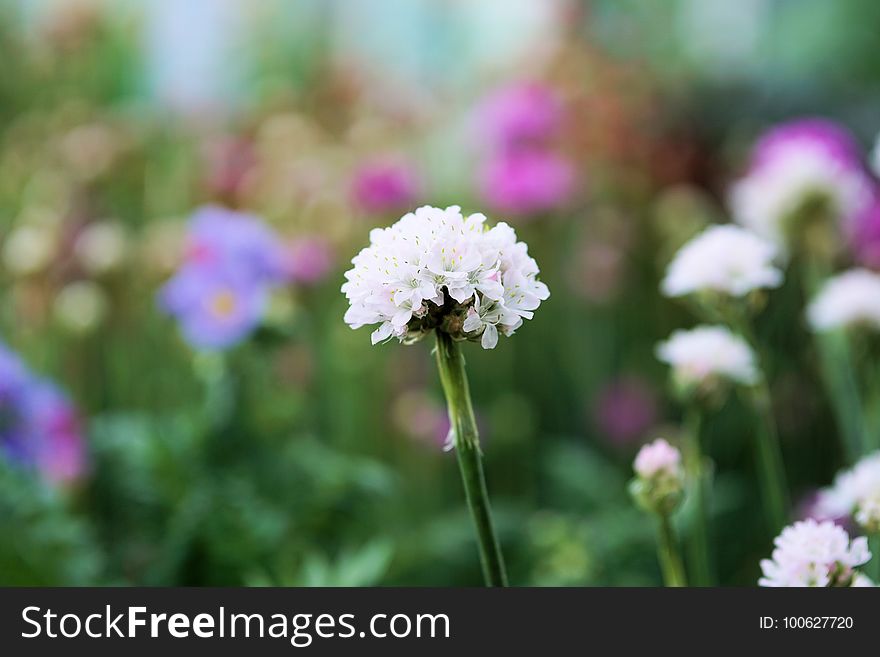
(707, 355)
(724, 259)
(659, 478)
(814, 554)
(38, 424)
(384, 185)
(526, 181)
(855, 492)
(231, 264)
(794, 166)
(657, 458)
(848, 300)
(523, 113)
(437, 268)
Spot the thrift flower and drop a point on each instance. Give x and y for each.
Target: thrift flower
(724, 259)
(523, 113)
(848, 300)
(794, 166)
(384, 185)
(439, 269)
(658, 459)
(813, 554)
(659, 481)
(526, 181)
(855, 492)
(864, 237)
(705, 355)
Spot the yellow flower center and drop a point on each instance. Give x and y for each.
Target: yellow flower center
(223, 304)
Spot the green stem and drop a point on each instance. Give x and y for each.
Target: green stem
(698, 477)
(669, 554)
(836, 369)
(872, 568)
(450, 362)
(768, 453)
(769, 456)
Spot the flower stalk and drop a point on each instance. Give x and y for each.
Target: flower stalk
(698, 475)
(465, 438)
(669, 554)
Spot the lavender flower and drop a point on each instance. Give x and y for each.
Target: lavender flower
(220, 292)
(38, 424)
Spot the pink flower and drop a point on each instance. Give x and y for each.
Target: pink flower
(864, 239)
(523, 113)
(309, 260)
(624, 409)
(385, 185)
(526, 182)
(657, 457)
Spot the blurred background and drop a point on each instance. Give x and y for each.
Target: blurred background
(301, 455)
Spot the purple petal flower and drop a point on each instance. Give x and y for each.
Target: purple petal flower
(384, 185)
(38, 424)
(217, 308)
(233, 240)
(526, 182)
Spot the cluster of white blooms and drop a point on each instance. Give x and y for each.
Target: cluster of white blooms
(767, 196)
(855, 492)
(725, 259)
(439, 269)
(818, 554)
(657, 458)
(706, 353)
(847, 300)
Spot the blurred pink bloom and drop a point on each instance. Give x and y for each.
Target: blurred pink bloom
(864, 238)
(526, 182)
(832, 139)
(656, 457)
(625, 409)
(385, 185)
(229, 160)
(523, 113)
(309, 260)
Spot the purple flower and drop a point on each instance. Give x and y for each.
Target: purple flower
(384, 185)
(38, 424)
(309, 259)
(625, 409)
(219, 294)
(523, 113)
(216, 307)
(221, 238)
(526, 182)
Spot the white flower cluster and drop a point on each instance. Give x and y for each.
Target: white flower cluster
(815, 554)
(657, 458)
(855, 492)
(767, 196)
(705, 353)
(725, 259)
(847, 300)
(436, 268)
